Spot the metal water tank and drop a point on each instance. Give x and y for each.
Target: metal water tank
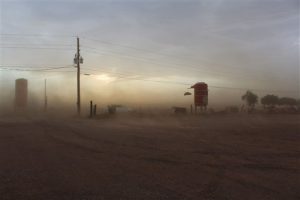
(200, 94)
(21, 93)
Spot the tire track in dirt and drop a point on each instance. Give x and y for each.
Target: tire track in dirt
(47, 128)
(209, 191)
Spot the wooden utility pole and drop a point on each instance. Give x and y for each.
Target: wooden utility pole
(78, 77)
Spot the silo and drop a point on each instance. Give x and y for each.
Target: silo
(21, 93)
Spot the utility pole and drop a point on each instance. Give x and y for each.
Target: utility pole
(45, 106)
(78, 60)
(78, 77)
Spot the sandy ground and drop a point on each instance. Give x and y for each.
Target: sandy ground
(212, 157)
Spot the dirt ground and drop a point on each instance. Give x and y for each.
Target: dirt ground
(209, 157)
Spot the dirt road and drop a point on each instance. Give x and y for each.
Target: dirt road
(215, 157)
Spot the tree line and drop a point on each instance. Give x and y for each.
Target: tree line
(269, 101)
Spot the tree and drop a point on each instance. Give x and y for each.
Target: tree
(269, 100)
(287, 101)
(251, 99)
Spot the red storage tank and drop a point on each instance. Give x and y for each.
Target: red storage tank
(200, 94)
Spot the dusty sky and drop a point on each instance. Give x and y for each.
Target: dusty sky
(249, 44)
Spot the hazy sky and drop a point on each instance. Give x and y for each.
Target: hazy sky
(229, 43)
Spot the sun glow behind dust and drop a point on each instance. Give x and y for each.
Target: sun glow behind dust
(105, 78)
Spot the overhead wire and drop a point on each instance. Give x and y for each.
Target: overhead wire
(34, 45)
(153, 61)
(37, 45)
(32, 65)
(34, 35)
(125, 76)
(173, 66)
(155, 52)
(129, 56)
(110, 72)
(23, 47)
(210, 86)
(34, 70)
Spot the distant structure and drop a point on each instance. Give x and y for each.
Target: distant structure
(200, 95)
(21, 93)
(179, 110)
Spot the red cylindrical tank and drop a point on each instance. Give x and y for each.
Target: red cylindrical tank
(21, 93)
(200, 94)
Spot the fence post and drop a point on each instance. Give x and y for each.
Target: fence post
(91, 109)
(95, 109)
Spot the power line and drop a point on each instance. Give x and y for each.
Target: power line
(179, 68)
(36, 45)
(32, 65)
(160, 53)
(124, 46)
(43, 71)
(114, 44)
(210, 86)
(34, 70)
(153, 61)
(115, 73)
(125, 76)
(128, 56)
(23, 47)
(34, 35)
